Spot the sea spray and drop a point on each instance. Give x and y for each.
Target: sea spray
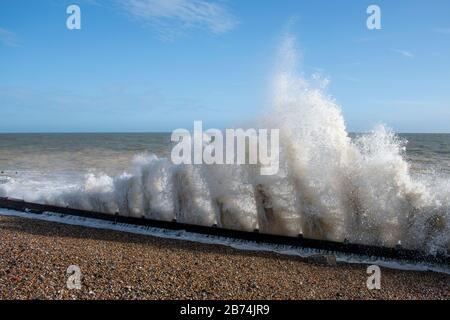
(329, 186)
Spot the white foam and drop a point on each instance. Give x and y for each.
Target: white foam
(328, 187)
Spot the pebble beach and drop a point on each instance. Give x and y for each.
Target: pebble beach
(35, 255)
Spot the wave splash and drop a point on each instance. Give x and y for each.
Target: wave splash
(328, 186)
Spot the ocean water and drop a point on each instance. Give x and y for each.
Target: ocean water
(377, 188)
(113, 172)
(35, 157)
(76, 153)
(33, 166)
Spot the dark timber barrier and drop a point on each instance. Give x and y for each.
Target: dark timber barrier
(344, 247)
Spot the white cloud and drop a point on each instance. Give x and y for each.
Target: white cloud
(404, 53)
(172, 17)
(8, 38)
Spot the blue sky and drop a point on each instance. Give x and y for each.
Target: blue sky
(157, 65)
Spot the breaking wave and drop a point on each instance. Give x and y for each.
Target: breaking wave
(329, 186)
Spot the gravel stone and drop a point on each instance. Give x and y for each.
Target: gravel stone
(35, 255)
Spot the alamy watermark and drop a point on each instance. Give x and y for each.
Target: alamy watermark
(73, 22)
(374, 20)
(374, 280)
(74, 277)
(212, 147)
